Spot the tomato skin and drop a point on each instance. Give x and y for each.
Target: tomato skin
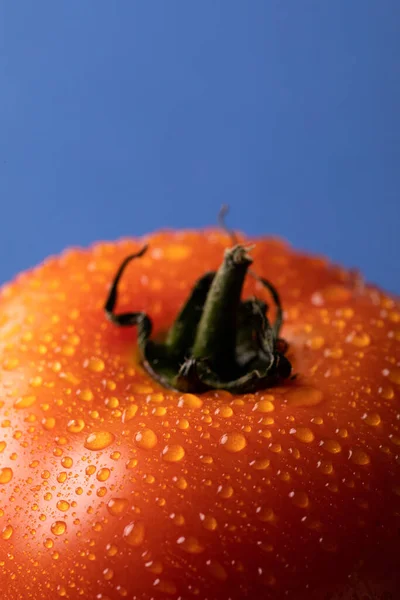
(113, 487)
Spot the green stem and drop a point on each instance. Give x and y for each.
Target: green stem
(215, 338)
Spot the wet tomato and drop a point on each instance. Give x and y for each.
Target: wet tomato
(115, 486)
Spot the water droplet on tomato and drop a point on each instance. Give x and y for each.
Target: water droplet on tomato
(134, 533)
(7, 532)
(233, 442)
(304, 434)
(6, 474)
(117, 506)
(99, 440)
(173, 453)
(190, 544)
(63, 505)
(94, 364)
(146, 439)
(75, 425)
(58, 527)
(304, 396)
(190, 401)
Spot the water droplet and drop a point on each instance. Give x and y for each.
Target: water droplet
(7, 532)
(117, 506)
(134, 533)
(166, 586)
(260, 464)
(372, 419)
(266, 514)
(316, 342)
(108, 574)
(129, 413)
(387, 392)
(6, 474)
(146, 439)
(9, 364)
(103, 474)
(208, 522)
(325, 466)
(331, 446)
(359, 457)
(304, 396)
(63, 505)
(67, 462)
(190, 401)
(265, 405)
(224, 411)
(216, 570)
(225, 491)
(359, 339)
(90, 470)
(48, 543)
(58, 528)
(111, 550)
(190, 544)
(304, 434)
(173, 453)
(48, 423)
(3, 445)
(25, 402)
(94, 364)
(394, 376)
(76, 425)
(86, 395)
(299, 499)
(99, 440)
(233, 442)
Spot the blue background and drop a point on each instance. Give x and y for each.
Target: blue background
(121, 117)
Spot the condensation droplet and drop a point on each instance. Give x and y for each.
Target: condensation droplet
(129, 413)
(99, 440)
(7, 532)
(103, 474)
(260, 464)
(394, 376)
(225, 491)
(266, 514)
(209, 522)
(117, 506)
(86, 395)
(58, 528)
(134, 533)
(94, 364)
(146, 439)
(265, 405)
(190, 401)
(63, 505)
(372, 419)
(233, 442)
(75, 425)
(359, 339)
(216, 570)
(190, 544)
(166, 586)
(304, 434)
(25, 402)
(173, 453)
(299, 499)
(224, 411)
(6, 474)
(331, 446)
(304, 396)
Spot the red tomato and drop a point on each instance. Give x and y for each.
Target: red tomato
(112, 486)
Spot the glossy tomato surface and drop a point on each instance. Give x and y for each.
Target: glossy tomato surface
(113, 487)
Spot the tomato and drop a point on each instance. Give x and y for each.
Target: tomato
(114, 486)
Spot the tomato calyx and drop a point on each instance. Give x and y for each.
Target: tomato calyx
(217, 341)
